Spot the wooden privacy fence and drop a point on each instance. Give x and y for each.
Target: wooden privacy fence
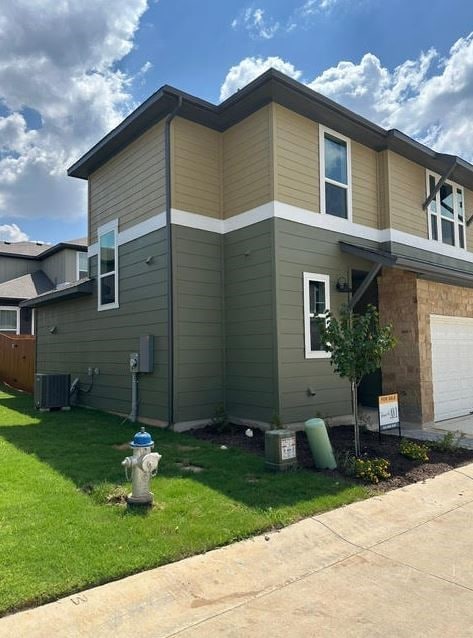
(17, 360)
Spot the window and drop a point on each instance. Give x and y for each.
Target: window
(335, 174)
(9, 319)
(446, 215)
(108, 267)
(82, 266)
(316, 303)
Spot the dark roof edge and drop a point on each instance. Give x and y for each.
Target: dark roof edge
(391, 139)
(78, 289)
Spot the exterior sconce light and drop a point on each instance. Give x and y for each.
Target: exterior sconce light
(53, 329)
(342, 285)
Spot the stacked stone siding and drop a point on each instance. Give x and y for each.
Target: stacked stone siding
(401, 368)
(407, 302)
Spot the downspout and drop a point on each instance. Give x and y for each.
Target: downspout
(167, 159)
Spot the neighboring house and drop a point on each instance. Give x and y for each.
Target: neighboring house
(224, 231)
(28, 269)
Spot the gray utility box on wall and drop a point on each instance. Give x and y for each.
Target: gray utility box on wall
(280, 450)
(146, 354)
(51, 391)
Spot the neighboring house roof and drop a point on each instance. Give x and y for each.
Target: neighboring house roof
(38, 250)
(26, 286)
(65, 291)
(271, 86)
(23, 248)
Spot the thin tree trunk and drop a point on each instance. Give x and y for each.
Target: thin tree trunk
(354, 398)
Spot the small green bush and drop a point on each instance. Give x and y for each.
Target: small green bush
(414, 451)
(448, 442)
(371, 470)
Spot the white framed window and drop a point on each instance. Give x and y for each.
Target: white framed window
(108, 266)
(82, 266)
(335, 173)
(10, 319)
(446, 213)
(316, 303)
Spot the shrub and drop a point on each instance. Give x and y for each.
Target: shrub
(220, 421)
(371, 470)
(414, 451)
(448, 442)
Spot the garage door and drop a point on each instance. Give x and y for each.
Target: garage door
(452, 366)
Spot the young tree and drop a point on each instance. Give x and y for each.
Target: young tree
(357, 344)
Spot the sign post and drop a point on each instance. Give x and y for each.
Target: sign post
(388, 410)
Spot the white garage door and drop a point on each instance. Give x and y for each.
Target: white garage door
(452, 366)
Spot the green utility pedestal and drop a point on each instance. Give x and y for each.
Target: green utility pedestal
(280, 450)
(320, 445)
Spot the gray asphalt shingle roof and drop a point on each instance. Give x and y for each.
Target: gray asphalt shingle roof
(26, 286)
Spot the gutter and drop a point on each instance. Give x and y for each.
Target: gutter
(167, 159)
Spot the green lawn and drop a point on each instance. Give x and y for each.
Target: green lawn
(58, 535)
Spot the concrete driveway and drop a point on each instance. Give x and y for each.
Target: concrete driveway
(395, 565)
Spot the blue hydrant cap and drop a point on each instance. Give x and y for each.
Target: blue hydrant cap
(142, 439)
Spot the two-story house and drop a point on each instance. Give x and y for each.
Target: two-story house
(224, 231)
(28, 269)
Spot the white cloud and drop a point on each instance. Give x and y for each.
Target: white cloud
(59, 58)
(256, 23)
(429, 98)
(11, 232)
(249, 69)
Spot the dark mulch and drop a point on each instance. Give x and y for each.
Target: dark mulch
(403, 471)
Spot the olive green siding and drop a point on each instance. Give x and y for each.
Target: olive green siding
(198, 324)
(250, 323)
(86, 338)
(131, 185)
(300, 249)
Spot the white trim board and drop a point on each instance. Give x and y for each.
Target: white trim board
(291, 213)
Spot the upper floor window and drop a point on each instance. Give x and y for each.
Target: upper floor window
(108, 266)
(446, 213)
(335, 174)
(316, 303)
(9, 319)
(82, 266)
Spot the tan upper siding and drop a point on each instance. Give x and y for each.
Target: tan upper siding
(406, 195)
(247, 163)
(383, 189)
(296, 159)
(130, 186)
(196, 168)
(364, 185)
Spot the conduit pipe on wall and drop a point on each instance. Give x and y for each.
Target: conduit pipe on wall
(167, 159)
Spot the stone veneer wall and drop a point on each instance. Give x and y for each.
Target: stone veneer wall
(401, 368)
(407, 302)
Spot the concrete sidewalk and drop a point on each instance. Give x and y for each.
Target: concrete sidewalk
(395, 565)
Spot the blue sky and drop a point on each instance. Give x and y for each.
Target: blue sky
(66, 79)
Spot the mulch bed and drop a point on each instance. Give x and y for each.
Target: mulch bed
(403, 471)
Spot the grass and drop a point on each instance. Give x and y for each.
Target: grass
(59, 534)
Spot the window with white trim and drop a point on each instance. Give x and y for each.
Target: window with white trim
(82, 265)
(108, 266)
(9, 319)
(335, 173)
(316, 304)
(446, 213)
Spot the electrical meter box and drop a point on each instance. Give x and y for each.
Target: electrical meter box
(280, 450)
(146, 353)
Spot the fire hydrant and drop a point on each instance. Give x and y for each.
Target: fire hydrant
(144, 465)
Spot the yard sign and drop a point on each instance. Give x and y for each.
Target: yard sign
(388, 408)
